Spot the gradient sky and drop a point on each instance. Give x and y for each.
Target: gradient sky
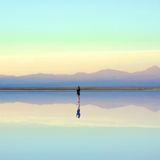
(69, 36)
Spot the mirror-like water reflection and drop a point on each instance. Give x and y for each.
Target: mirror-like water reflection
(136, 109)
(97, 125)
(30, 142)
(150, 100)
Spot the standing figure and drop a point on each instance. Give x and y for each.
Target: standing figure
(78, 93)
(78, 114)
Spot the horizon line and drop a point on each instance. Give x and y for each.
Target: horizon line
(83, 88)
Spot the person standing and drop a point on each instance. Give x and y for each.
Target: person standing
(78, 93)
(78, 114)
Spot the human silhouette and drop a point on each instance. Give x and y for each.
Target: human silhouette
(78, 114)
(78, 93)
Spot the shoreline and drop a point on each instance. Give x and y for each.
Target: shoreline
(82, 89)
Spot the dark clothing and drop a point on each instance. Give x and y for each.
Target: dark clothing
(78, 113)
(78, 91)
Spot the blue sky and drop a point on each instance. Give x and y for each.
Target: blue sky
(102, 18)
(66, 30)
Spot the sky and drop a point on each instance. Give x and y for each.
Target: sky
(68, 36)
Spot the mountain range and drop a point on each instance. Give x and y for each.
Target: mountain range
(107, 77)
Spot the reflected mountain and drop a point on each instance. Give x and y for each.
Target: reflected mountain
(108, 100)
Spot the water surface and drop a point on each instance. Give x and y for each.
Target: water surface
(112, 125)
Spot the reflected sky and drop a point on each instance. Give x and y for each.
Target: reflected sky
(33, 142)
(112, 125)
(98, 109)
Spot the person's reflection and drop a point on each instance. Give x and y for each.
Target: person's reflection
(78, 114)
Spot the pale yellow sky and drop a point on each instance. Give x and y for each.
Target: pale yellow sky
(69, 62)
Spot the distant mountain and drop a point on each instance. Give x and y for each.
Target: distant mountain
(108, 77)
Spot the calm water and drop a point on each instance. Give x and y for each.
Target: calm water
(112, 125)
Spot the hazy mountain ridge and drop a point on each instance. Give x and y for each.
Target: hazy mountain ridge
(108, 77)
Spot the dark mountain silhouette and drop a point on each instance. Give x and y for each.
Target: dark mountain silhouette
(108, 77)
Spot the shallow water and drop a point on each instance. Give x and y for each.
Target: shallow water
(112, 125)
